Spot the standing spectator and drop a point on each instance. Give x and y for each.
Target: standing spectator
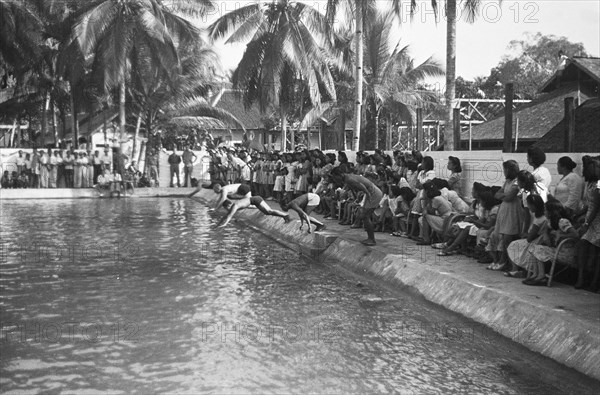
(36, 167)
(97, 166)
(77, 170)
(60, 169)
(153, 165)
(174, 161)
(536, 158)
(44, 167)
(245, 170)
(106, 159)
(509, 222)
(52, 169)
(189, 158)
(569, 189)
(69, 162)
(90, 170)
(588, 248)
(27, 168)
(455, 179)
(85, 163)
(20, 162)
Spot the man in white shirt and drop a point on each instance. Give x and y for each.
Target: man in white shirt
(44, 162)
(60, 168)
(106, 159)
(104, 182)
(84, 170)
(20, 162)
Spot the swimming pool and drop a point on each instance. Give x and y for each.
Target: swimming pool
(144, 295)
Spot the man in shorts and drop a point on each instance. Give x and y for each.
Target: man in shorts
(247, 201)
(370, 202)
(304, 205)
(225, 192)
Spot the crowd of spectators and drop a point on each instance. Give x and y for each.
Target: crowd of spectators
(514, 228)
(59, 168)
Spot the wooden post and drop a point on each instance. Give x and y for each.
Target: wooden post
(508, 116)
(470, 137)
(428, 144)
(420, 142)
(456, 128)
(437, 133)
(569, 124)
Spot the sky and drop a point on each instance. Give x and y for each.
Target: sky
(480, 45)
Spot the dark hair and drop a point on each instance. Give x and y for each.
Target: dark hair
(412, 165)
(555, 211)
(567, 163)
(418, 156)
(331, 157)
(527, 180)
(589, 168)
(456, 162)
(407, 194)
(432, 192)
(342, 157)
(243, 189)
(479, 188)
(487, 200)
(538, 204)
(536, 156)
(395, 190)
(440, 183)
(427, 163)
(512, 169)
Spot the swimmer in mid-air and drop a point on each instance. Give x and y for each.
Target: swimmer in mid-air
(304, 205)
(225, 192)
(247, 201)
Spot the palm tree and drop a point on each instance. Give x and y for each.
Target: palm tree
(391, 77)
(112, 31)
(287, 52)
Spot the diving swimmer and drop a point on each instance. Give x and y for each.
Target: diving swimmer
(304, 205)
(247, 201)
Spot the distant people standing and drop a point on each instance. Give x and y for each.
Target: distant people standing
(189, 158)
(69, 162)
(97, 164)
(85, 163)
(106, 159)
(77, 170)
(60, 169)
(44, 174)
(174, 161)
(52, 170)
(153, 165)
(20, 162)
(27, 169)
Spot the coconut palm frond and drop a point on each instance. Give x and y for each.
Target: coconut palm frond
(230, 21)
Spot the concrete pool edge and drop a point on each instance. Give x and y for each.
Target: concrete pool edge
(555, 334)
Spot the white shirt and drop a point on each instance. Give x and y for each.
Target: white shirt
(106, 159)
(542, 175)
(53, 160)
(20, 160)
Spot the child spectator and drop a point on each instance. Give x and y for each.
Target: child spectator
(455, 179)
(509, 221)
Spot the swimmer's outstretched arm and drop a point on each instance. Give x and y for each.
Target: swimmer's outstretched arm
(225, 220)
(220, 200)
(198, 188)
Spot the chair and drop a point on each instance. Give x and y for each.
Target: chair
(562, 244)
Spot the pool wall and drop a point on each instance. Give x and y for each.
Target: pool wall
(553, 331)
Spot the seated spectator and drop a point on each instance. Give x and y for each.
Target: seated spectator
(435, 210)
(14, 180)
(458, 204)
(518, 250)
(23, 181)
(405, 197)
(559, 227)
(144, 182)
(5, 182)
(455, 179)
(104, 182)
(570, 187)
(476, 226)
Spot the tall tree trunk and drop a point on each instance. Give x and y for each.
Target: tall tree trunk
(283, 131)
(54, 123)
(75, 141)
(450, 72)
(122, 120)
(45, 117)
(359, 73)
(136, 136)
(377, 110)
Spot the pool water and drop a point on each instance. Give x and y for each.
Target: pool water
(146, 296)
